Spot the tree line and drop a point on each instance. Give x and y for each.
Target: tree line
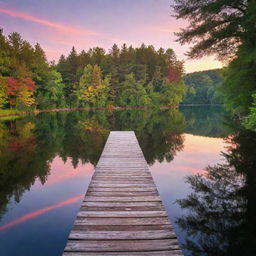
(125, 76)
(204, 87)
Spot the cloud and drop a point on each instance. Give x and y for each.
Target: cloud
(34, 214)
(60, 27)
(65, 35)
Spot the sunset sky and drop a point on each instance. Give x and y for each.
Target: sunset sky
(60, 24)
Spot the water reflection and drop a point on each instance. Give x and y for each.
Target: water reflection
(29, 145)
(159, 132)
(221, 210)
(22, 160)
(210, 121)
(47, 160)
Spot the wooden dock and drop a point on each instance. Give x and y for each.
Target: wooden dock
(122, 213)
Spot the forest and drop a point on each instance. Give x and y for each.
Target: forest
(123, 76)
(204, 87)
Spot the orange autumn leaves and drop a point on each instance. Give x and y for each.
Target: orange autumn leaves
(92, 88)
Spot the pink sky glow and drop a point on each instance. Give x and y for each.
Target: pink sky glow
(58, 27)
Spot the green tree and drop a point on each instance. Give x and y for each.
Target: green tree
(239, 84)
(215, 27)
(4, 55)
(70, 69)
(133, 93)
(73, 63)
(52, 94)
(225, 29)
(3, 92)
(172, 93)
(98, 57)
(39, 65)
(157, 79)
(250, 120)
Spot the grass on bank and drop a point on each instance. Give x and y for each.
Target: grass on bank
(8, 114)
(8, 111)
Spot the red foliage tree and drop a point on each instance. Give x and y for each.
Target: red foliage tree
(12, 89)
(15, 86)
(175, 71)
(28, 83)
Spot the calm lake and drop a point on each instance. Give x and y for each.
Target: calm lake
(47, 160)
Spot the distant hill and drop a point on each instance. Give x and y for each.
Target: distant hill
(203, 87)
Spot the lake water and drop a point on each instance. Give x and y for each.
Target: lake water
(47, 161)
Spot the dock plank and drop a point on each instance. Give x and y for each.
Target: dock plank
(122, 221)
(121, 245)
(151, 253)
(122, 212)
(121, 235)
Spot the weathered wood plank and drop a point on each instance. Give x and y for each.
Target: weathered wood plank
(121, 245)
(123, 181)
(120, 179)
(121, 185)
(121, 227)
(117, 189)
(121, 175)
(122, 213)
(121, 194)
(123, 208)
(122, 221)
(151, 253)
(121, 235)
(122, 204)
(122, 199)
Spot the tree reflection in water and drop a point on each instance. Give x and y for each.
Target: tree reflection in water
(29, 145)
(221, 210)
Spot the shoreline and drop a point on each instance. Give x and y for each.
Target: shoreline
(33, 112)
(195, 105)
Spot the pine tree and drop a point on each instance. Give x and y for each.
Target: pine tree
(4, 55)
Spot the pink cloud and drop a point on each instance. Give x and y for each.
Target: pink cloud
(64, 36)
(36, 213)
(61, 27)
